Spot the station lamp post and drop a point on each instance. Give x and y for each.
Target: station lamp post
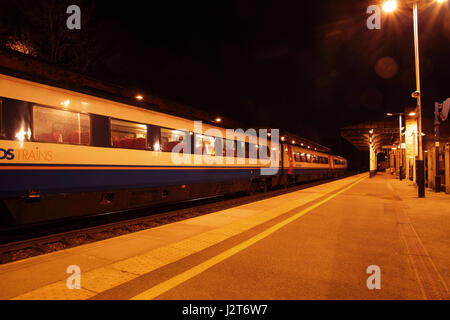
(390, 6)
(400, 164)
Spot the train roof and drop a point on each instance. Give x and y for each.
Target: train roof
(289, 136)
(33, 69)
(26, 67)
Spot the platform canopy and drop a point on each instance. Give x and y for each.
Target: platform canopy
(384, 134)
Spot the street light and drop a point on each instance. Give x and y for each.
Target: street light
(390, 6)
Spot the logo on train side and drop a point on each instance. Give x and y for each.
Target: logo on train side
(7, 154)
(35, 154)
(26, 154)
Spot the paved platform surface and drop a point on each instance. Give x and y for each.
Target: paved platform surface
(316, 243)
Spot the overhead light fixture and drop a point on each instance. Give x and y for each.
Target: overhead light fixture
(66, 103)
(389, 114)
(412, 114)
(218, 119)
(293, 141)
(282, 138)
(22, 135)
(139, 97)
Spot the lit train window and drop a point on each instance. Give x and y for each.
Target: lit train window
(170, 138)
(205, 145)
(241, 150)
(264, 152)
(60, 126)
(297, 157)
(302, 157)
(308, 158)
(253, 151)
(126, 134)
(229, 148)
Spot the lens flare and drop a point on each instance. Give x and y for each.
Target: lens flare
(389, 6)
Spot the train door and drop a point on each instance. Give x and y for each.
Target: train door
(291, 160)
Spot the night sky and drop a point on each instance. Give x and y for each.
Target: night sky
(310, 67)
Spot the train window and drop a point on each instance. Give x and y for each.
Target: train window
(253, 151)
(302, 157)
(308, 158)
(219, 146)
(264, 152)
(170, 138)
(205, 145)
(61, 126)
(229, 148)
(127, 134)
(297, 157)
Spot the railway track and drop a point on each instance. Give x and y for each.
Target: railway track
(28, 241)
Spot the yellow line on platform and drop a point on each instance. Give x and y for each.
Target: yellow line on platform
(194, 271)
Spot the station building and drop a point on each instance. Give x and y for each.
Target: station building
(381, 139)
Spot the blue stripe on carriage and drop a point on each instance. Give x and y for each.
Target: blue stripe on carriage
(17, 182)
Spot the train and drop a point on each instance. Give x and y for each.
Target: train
(66, 153)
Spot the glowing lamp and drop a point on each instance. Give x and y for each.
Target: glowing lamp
(389, 6)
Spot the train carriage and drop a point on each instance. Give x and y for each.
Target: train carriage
(64, 153)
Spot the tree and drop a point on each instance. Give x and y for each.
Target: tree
(39, 28)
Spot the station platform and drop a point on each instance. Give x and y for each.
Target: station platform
(316, 243)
